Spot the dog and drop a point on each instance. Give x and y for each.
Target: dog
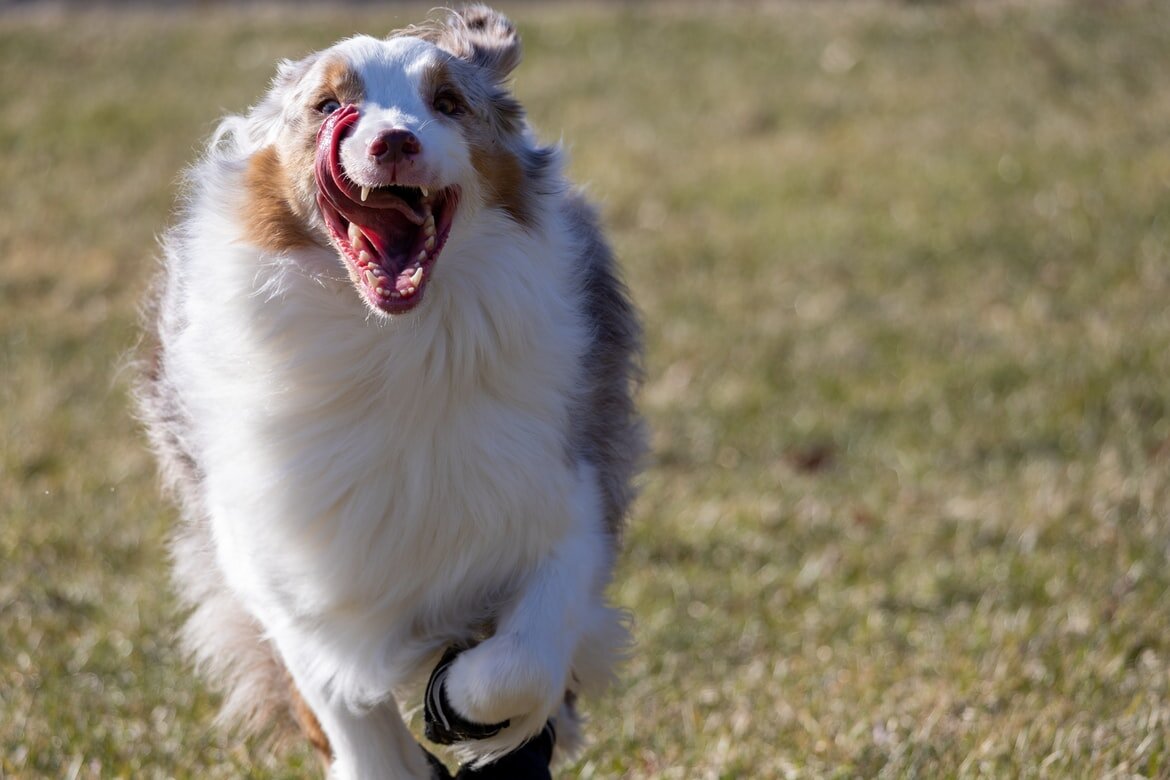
(391, 386)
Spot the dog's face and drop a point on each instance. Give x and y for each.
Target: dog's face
(376, 146)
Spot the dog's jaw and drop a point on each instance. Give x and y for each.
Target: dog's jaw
(389, 236)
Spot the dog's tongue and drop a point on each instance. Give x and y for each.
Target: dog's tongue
(389, 223)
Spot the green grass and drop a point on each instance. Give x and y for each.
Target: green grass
(905, 270)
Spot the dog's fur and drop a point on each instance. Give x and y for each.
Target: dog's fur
(364, 485)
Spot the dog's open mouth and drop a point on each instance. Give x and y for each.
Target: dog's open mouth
(391, 235)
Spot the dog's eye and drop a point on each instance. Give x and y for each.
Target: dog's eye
(447, 103)
(328, 106)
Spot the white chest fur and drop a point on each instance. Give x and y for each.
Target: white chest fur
(364, 470)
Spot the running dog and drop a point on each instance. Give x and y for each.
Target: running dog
(391, 389)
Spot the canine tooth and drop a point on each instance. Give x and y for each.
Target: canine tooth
(430, 243)
(416, 277)
(371, 280)
(365, 193)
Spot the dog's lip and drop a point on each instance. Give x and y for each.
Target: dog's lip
(389, 245)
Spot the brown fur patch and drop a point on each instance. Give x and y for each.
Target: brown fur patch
(269, 215)
(309, 724)
(341, 83)
(503, 175)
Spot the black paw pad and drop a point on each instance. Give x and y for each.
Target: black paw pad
(528, 762)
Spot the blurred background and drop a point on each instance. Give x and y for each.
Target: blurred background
(905, 272)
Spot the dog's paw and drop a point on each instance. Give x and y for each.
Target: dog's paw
(445, 726)
(530, 761)
(503, 679)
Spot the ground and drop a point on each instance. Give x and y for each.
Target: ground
(905, 270)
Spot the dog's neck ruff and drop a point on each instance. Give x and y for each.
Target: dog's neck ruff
(310, 405)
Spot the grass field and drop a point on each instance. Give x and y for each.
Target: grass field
(905, 270)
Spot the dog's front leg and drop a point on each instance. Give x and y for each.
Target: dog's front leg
(521, 673)
(366, 743)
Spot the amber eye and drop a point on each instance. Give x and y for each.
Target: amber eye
(447, 103)
(328, 106)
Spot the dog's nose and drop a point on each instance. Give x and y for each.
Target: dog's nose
(394, 145)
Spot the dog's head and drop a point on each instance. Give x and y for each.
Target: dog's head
(375, 146)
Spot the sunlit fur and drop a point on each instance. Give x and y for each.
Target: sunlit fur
(359, 491)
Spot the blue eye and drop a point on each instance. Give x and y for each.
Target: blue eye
(328, 106)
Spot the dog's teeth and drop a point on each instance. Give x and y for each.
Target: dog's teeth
(416, 277)
(424, 191)
(422, 256)
(430, 243)
(371, 280)
(365, 257)
(395, 294)
(358, 241)
(381, 291)
(429, 227)
(365, 193)
(355, 233)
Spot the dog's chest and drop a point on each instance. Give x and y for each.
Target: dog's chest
(369, 469)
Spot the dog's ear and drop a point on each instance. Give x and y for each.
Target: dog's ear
(484, 37)
(266, 117)
(289, 72)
